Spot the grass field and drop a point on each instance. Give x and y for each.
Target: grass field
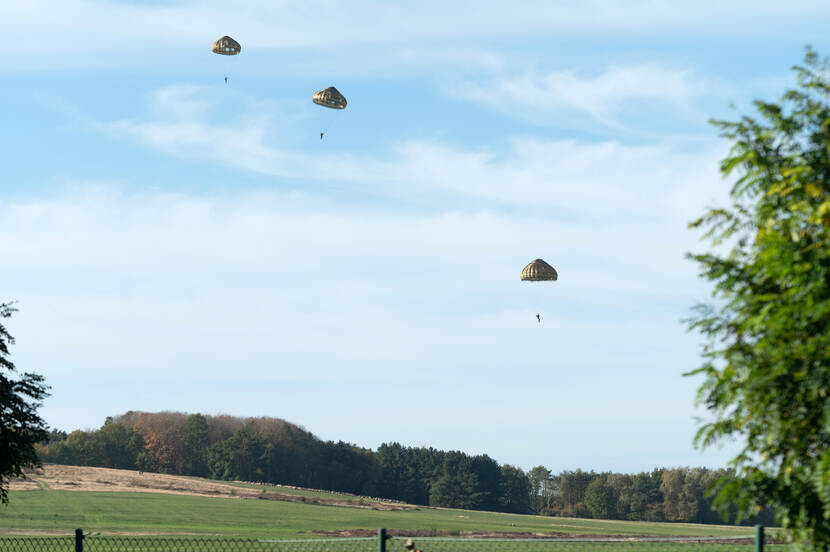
(53, 512)
(170, 505)
(145, 544)
(116, 544)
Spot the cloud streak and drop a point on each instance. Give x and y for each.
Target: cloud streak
(609, 98)
(277, 291)
(89, 33)
(584, 180)
(240, 264)
(295, 296)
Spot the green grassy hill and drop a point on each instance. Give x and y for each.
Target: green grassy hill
(46, 511)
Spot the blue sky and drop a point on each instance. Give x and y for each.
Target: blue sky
(176, 243)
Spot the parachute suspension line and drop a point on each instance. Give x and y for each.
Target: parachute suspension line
(330, 119)
(332, 99)
(226, 46)
(539, 271)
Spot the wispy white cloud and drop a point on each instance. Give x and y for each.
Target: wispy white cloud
(303, 296)
(590, 180)
(375, 271)
(587, 180)
(296, 289)
(288, 293)
(609, 98)
(88, 32)
(602, 204)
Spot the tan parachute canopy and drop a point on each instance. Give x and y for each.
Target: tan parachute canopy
(330, 97)
(538, 271)
(226, 46)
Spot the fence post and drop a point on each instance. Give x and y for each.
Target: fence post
(79, 540)
(759, 538)
(381, 540)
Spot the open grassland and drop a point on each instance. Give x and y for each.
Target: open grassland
(144, 544)
(60, 512)
(58, 499)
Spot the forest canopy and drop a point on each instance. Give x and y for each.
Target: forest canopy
(275, 451)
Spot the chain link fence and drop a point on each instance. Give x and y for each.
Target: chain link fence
(381, 543)
(37, 544)
(574, 545)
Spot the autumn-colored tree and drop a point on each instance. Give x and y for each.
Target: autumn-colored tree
(162, 435)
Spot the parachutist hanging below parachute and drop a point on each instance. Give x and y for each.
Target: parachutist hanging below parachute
(226, 46)
(539, 271)
(331, 98)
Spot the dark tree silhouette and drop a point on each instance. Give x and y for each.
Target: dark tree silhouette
(20, 426)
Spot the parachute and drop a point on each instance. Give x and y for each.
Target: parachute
(330, 97)
(539, 271)
(226, 46)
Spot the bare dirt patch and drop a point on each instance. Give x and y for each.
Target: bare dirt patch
(434, 533)
(82, 478)
(526, 535)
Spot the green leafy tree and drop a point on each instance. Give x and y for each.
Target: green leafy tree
(538, 479)
(248, 448)
(645, 502)
(456, 485)
(672, 490)
(766, 373)
(600, 499)
(572, 486)
(56, 435)
(20, 426)
(489, 483)
(118, 446)
(220, 460)
(515, 494)
(347, 468)
(393, 463)
(195, 443)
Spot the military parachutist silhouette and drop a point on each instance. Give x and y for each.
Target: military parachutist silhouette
(226, 46)
(539, 271)
(331, 98)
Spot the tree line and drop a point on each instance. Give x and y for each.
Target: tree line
(275, 451)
